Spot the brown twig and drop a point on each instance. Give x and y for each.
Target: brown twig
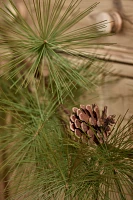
(66, 111)
(38, 130)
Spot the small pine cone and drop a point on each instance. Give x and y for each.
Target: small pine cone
(89, 126)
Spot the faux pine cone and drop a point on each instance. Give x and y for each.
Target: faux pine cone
(89, 126)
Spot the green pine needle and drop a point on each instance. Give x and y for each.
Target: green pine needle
(30, 46)
(44, 163)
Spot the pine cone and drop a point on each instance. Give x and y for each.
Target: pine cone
(89, 126)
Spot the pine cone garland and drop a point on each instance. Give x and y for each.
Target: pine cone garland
(89, 126)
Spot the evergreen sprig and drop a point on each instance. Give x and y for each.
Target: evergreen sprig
(30, 47)
(39, 160)
(44, 163)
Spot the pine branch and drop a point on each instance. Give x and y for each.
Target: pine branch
(31, 47)
(46, 158)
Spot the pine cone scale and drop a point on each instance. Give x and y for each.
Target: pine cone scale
(89, 126)
(78, 133)
(84, 127)
(73, 118)
(77, 123)
(93, 120)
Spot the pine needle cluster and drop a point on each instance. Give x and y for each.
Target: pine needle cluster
(44, 70)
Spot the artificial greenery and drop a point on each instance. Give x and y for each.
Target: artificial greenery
(45, 71)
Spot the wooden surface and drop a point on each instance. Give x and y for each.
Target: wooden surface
(118, 95)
